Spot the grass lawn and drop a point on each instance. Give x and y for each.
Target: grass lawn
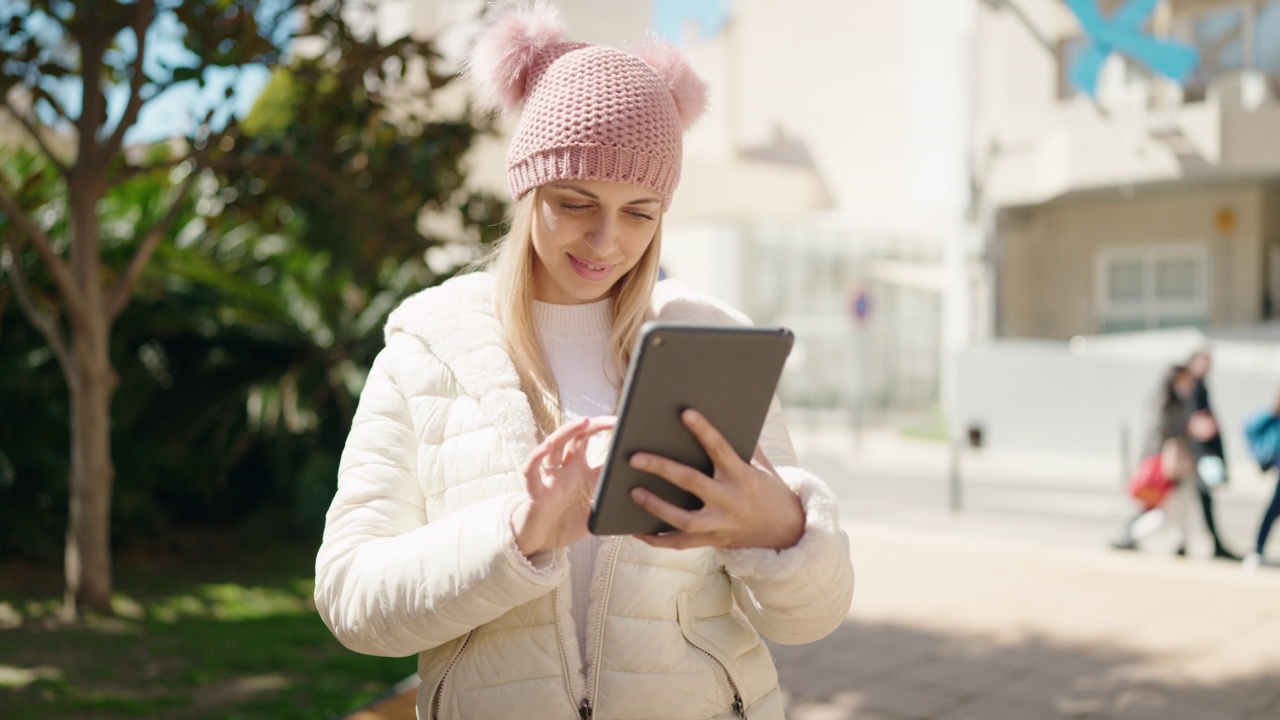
(213, 631)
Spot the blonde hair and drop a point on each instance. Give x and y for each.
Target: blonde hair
(512, 265)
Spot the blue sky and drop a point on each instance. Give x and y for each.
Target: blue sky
(178, 109)
(669, 17)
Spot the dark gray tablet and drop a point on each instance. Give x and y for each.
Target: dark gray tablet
(729, 374)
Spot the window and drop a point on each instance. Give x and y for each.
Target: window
(1141, 288)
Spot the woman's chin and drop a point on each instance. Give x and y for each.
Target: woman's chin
(579, 292)
(593, 294)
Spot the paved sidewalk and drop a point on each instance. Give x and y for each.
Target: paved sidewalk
(952, 626)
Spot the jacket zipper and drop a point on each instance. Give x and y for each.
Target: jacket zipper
(564, 648)
(587, 708)
(439, 694)
(739, 709)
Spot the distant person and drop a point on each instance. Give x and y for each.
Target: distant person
(459, 529)
(1211, 461)
(1263, 434)
(1171, 444)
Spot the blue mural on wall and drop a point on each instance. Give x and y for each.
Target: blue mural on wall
(1123, 33)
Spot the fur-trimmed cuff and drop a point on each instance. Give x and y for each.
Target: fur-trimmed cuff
(544, 568)
(821, 527)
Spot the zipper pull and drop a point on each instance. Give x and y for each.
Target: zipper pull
(584, 710)
(738, 709)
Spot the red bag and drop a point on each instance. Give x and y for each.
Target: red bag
(1149, 485)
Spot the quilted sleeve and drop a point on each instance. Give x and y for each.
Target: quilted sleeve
(388, 582)
(803, 593)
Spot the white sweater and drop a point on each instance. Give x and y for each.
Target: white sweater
(575, 342)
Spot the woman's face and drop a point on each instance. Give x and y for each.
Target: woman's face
(587, 234)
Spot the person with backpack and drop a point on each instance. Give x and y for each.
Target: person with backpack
(1262, 432)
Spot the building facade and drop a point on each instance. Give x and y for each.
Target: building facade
(1152, 204)
(1124, 227)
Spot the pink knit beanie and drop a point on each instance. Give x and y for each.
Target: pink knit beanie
(590, 112)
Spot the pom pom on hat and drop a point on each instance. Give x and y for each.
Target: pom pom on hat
(505, 54)
(688, 90)
(587, 112)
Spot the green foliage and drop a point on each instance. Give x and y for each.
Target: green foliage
(48, 47)
(33, 439)
(275, 109)
(245, 347)
(362, 141)
(60, 62)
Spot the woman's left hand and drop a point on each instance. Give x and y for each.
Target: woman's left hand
(744, 504)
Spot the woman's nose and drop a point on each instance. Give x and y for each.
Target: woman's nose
(603, 238)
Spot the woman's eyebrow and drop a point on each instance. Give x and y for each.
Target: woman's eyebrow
(575, 188)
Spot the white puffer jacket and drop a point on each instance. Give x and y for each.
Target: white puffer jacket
(419, 555)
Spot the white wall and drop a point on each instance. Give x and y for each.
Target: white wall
(875, 90)
(1039, 395)
(707, 256)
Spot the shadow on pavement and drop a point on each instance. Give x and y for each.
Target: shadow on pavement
(887, 672)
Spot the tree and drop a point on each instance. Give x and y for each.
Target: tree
(59, 63)
(33, 450)
(308, 228)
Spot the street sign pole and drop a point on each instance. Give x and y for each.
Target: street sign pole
(860, 309)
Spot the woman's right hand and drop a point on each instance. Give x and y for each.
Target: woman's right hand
(561, 484)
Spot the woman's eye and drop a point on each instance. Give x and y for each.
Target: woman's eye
(574, 208)
(639, 215)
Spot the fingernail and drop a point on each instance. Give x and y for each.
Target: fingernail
(691, 416)
(639, 462)
(639, 495)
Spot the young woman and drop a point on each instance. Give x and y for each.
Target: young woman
(1176, 426)
(458, 531)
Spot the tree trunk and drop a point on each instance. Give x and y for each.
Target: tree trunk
(91, 378)
(88, 550)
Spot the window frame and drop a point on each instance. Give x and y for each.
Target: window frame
(1150, 310)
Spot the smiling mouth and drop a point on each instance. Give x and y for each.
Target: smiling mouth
(590, 271)
(590, 265)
